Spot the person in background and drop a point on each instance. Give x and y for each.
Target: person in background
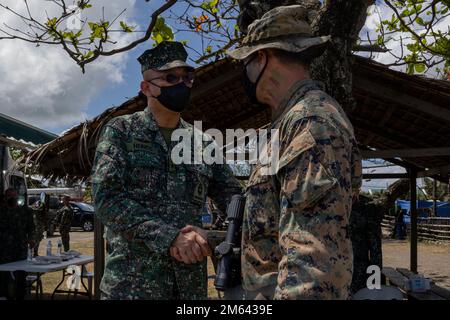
(17, 234)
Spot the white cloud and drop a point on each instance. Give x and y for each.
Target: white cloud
(42, 85)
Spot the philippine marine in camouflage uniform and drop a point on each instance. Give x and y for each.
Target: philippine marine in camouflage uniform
(64, 219)
(144, 199)
(365, 229)
(295, 240)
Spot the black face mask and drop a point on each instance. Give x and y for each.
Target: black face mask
(11, 202)
(175, 98)
(250, 87)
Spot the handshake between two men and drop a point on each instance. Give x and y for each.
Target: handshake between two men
(191, 245)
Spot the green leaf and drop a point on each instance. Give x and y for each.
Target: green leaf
(420, 21)
(410, 69)
(161, 31)
(88, 55)
(125, 27)
(420, 67)
(405, 13)
(380, 40)
(51, 23)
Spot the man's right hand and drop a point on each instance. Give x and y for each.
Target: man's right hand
(190, 247)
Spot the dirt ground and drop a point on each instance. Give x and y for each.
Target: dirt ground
(433, 261)
(83, 242)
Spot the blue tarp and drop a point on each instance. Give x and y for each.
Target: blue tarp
(424, 207)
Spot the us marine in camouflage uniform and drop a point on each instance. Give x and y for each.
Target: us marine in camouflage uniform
(295, 240)
(144, 199)
(64, 219)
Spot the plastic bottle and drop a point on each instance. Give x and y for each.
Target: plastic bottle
(49, 248)
(29, 253)
(58, 250)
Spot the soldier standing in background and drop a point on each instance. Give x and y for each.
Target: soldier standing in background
(365, 229)
(16, 234)
(64, 219)
(40, 214)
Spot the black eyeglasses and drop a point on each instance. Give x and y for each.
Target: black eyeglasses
(174, 79)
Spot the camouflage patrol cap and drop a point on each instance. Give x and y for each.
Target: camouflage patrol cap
(165, 56)
(285, 28)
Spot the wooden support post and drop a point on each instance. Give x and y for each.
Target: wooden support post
(413, 212)
(99, 256)
(434, 198)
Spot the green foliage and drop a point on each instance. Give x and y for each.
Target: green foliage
(98, 30)
(210, 6)
(417, 20)
(442, 190)
(87, 197)
(125, 27)
(15, 153)
(162, 32)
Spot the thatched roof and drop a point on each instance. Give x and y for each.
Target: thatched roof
(393, 111)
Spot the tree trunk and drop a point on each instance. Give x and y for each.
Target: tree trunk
(343, 20)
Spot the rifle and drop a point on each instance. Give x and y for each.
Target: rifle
(228, 273)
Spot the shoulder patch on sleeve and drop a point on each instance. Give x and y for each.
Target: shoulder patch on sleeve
(299, 144)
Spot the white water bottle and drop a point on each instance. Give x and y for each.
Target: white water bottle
(58, 249)
(49, 248)
(29, 253)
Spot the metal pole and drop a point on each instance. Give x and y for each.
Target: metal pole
(99, 256)
(413, 212)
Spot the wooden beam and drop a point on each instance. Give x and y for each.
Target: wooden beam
(406, 153)
(445, 170)
(217, 82)
(413, 213)
(374, 176)
(383, 90)
(388, 135)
